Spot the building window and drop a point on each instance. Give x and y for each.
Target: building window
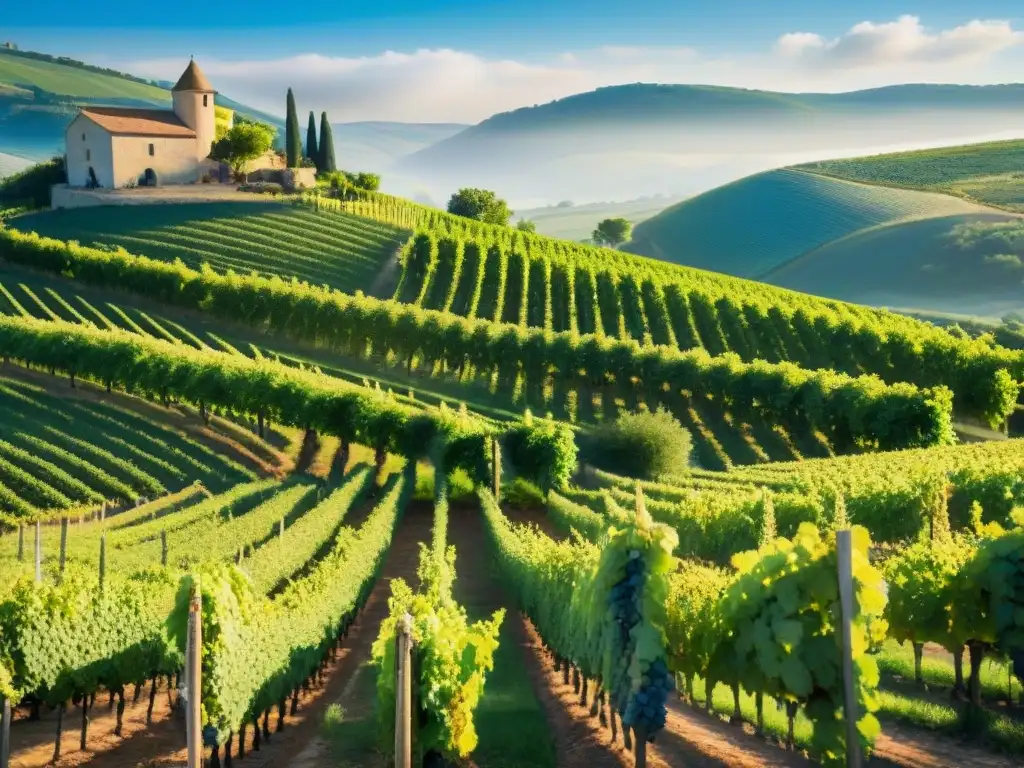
(205, 97)
(152, 150)
(83, 137)
(88, 155)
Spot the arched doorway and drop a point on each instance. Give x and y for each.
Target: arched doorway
(149, 178)
(92, 181)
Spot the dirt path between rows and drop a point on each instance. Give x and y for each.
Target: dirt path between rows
(352, 688)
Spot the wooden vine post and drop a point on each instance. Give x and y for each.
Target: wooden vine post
(403, 693)
(39, 552)
(63, 545)
(21, 543)
(163, 547)
(844, 558)
(496, 473)
(193, 680)
(103, 559)
(5, 732)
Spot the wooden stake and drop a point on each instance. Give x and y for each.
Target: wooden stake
(5, 732)
(39, 553)
(103, 559)
(403, 694)
(641, 747)
(496, 474)
(60, 731)
(63, 544)
(844, 557)
(163, 548)
(21, 543)
(280, 528)
(193, 684)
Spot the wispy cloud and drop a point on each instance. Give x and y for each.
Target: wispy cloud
(900, 42)
(445, 85)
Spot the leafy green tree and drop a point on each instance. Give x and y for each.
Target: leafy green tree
(326, 162)
(292, 142)
(525, 225)
(364, 180)
(311, 148)
(243, 143)
(480, 204)
(612, 232)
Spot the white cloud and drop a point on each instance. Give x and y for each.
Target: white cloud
(444, 85)
(900, 42)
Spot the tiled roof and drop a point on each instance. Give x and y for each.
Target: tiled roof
(193, 79)
(121, 121)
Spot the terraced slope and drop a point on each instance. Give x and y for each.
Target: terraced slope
(272, 239)
(756, 224)
(989, 173)
(62, 451)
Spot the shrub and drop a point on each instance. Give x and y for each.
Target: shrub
(31, 187)
(646, 445)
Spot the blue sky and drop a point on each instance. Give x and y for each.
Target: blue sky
(454, 60)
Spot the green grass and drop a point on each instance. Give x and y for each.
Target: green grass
(754, 225)
(73, 81)
(344, 252)
(991, 173)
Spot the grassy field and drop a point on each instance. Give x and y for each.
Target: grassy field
(72, 81)
(992, 173)
(755, 225)
(578, 222)
(274, 239)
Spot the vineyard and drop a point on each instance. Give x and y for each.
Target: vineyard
(979, 172)
(323, 434)
(271, 239)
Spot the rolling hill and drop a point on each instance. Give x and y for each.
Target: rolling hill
(40, 94)
(622, 142)
(913, 231)
(10, 164)
(990, 173)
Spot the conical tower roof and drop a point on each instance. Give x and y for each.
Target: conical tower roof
(193, 79)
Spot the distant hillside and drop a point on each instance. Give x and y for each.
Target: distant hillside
(577, 222)
(752, 226)
(905, 247)
(991, 173)
(10, 164)
(376, 145)
(642, 137)
(40, 94)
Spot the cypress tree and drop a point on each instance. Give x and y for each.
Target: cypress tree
(311, 151)
(292, 142)
(327, 163)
